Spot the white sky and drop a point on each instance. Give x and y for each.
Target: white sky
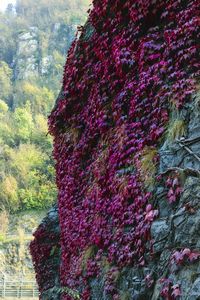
(4, 3)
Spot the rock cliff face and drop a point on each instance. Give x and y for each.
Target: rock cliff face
(27, 55)
(126, 144)
(29, 59)
(47, 238)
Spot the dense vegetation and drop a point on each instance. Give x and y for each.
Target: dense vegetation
(26, 167)
(121, 79)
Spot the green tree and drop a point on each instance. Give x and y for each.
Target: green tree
(7, 132)
(8, 194)
(41, 99)
(5, 81)
(40, 193)
(24, 159)
(27, 177)
(40, 134)
(3, 107)
(23, 123)
(59, 61)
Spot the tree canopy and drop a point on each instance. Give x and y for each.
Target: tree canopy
(27, 178)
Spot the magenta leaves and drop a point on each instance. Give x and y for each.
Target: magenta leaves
(169, 290)
(117, 87)
(174, 186)
(184, 255)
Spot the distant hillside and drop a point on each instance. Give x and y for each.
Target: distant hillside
(34, 39)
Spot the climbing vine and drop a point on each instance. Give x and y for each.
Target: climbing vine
(118, 86)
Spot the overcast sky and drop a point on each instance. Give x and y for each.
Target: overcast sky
(4, 3)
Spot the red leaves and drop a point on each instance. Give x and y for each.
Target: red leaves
(180, 257)
(42, 248)
(177, 257)
(150, 213)
(116, 90)
(175, 189)
(149, 280)
(194, 256)
(169, 291)
(176, 291)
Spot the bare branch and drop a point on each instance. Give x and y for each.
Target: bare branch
(186, 171)
(189, 150)
(188, 141)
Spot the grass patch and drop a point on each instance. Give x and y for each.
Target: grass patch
(125, 295)
(2, 238)
(148, 166)
(176, 130)
(105, 265)
(88, 253)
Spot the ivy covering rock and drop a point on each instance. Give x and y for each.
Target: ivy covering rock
(123, 83)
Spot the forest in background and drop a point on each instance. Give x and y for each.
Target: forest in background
(47, 27)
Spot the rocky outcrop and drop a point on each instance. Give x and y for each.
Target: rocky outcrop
(32, 58)
(126, 143)
(26, 61)
(47, 244)
(176, 228)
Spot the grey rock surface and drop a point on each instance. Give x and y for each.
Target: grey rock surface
(176, 228)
